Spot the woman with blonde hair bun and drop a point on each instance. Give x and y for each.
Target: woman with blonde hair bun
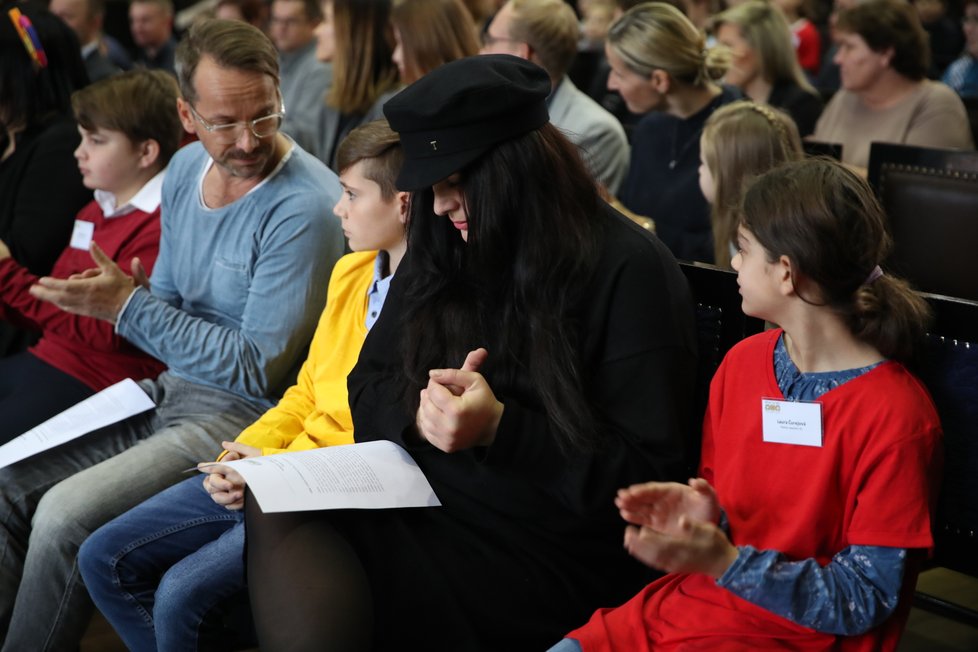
(740, 142)
(764, 65)
(661, 67)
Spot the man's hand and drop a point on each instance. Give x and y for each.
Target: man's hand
(224, 484)
(99, 292)
(458, 409)
(4, 250)
(139, 274)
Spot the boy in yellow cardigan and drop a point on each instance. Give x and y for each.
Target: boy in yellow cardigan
(161, 572)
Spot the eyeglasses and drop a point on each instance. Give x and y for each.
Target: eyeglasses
(969, 19)
(228, 133)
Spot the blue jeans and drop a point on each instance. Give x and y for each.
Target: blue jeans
(159, 570)
(51, 502)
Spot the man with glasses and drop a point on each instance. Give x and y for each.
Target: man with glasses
(546, 32)
(246, 251)
(305, 79)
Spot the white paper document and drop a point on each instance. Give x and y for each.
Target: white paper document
(111, 405)
(371, 475)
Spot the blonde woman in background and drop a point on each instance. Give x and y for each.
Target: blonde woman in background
(662, 68)
(764, 65)
(740, 142)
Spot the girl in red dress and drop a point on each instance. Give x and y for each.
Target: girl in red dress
(820, 449)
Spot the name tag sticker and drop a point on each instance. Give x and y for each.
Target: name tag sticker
(81, 236)
(791, 422)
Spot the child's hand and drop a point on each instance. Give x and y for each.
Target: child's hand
(660, 505)
(224, 484)
(692, 547)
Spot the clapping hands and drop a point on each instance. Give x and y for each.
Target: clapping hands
(674, 527)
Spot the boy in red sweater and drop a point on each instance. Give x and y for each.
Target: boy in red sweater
(130, 129)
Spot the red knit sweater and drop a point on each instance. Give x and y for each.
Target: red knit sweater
(85, 348)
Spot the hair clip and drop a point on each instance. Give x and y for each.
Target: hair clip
(32, 43)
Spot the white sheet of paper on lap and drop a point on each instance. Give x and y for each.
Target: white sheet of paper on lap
(111, 405)
(370, 475)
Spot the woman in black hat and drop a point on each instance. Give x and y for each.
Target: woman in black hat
(534, 355)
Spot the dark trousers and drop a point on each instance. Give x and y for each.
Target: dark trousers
(32, 391)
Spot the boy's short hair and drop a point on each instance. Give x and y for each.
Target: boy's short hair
(378, 147)
(142, 104)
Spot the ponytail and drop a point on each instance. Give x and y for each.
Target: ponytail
(890, 316)
(827, 221)
(716, 62)
(657, 36)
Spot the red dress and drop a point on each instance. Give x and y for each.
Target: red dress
(868, 484)
(808, 45)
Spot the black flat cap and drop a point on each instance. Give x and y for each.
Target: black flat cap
(460, 110)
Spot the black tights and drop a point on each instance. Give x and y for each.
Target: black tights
(307, 586)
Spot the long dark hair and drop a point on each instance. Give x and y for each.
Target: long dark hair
(827, 221)
(516, 287)
(30, 94)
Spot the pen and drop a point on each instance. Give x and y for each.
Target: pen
(197, 468)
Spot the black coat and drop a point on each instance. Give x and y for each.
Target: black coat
(528, 542)
(41, 191)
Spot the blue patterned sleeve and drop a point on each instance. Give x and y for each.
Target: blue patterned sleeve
(724, 523)
(855, 592)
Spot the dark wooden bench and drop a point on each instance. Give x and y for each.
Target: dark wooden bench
(950, 371)
(930, 197)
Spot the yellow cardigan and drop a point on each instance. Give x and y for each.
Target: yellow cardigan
(315, 412)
